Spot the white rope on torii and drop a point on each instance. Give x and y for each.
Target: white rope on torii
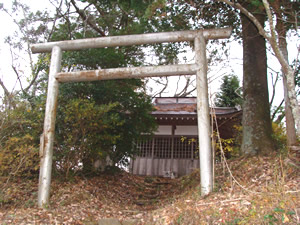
(199, 68)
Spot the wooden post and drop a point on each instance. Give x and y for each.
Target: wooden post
(46, 148)
(172, 148)
(192, 151)
(204, 130)
(152, 157)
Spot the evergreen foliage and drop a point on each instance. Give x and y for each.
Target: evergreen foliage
(95, 119)
(19, 135)
(230, 92)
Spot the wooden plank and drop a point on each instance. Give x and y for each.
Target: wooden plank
(136, 39)
(127, 73)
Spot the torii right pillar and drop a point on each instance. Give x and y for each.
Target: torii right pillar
(204, 131)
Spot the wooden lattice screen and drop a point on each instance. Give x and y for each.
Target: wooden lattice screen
(169, 147)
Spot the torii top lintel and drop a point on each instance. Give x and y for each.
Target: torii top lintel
(135, 39)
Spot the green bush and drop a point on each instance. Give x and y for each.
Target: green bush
(84, 134)
(19, 157)
(279, 136)
(19, 134)
(92, 122)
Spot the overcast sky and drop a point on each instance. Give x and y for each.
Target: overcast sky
(7, 28)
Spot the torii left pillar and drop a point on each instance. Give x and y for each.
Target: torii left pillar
(204, 131)
(47, 138)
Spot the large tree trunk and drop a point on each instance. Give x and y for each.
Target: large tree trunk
(257, 128)
(272, 38)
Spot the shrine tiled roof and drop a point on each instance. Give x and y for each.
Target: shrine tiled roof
(187, 106)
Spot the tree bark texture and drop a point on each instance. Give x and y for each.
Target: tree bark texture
(290, 122)
(272, 38)
(257, 128)
(286, 68)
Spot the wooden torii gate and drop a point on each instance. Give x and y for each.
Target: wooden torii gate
(199, 68)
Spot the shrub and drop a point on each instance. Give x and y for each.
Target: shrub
(19, 157)
(19, 140)
(279, 136)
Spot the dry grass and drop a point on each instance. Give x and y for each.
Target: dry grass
(267, 193)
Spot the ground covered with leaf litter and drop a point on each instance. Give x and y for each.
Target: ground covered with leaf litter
(260, 190)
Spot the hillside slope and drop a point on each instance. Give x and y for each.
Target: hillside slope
(261, 190)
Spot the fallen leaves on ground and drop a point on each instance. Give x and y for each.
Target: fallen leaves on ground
(263, 190)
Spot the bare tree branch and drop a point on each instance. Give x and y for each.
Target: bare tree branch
(276, 110)
(7, 95)
(88, 19)
(58, 11)
(27, 39)
(259, 26)
(188, 92)
(286, 68)
(177, 84)
(18, 77)
(165, 85)
(33, 80)
(274, 86)
(6, 92)
(184, 90)
(272, 38)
